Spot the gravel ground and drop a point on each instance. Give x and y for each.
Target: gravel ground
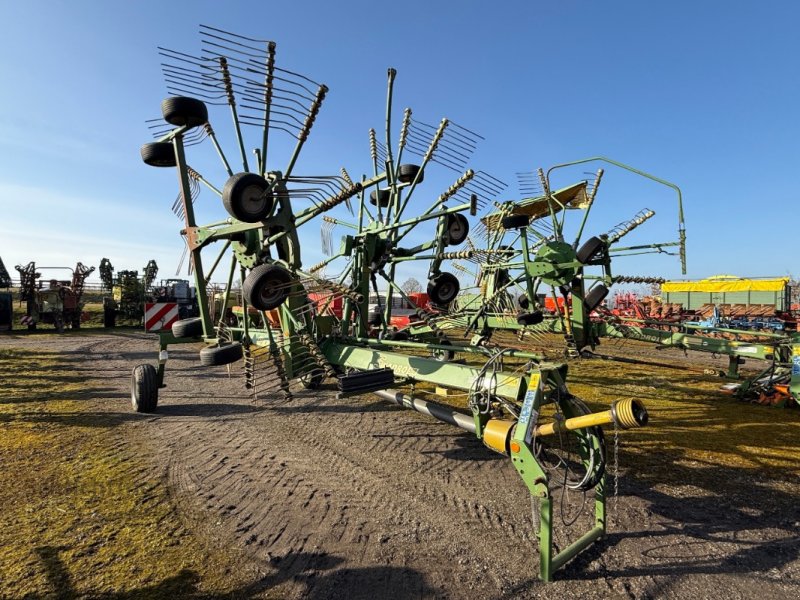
(356, 498)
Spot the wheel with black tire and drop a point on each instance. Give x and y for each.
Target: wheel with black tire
(595, 297)
(158, 154)
(502, 279)
(590, 250)
(181, 110)
(531, 318)
(144, 389)
(311, 380)
(375, 318)
(407, 173)
(443, 288)
(247, 197)
(267, 286)
(397, 336)
(515, 221)
(457, 229)
(523, 301)
(186, 328)
(224, 353)
(443, 355)
(382, 196)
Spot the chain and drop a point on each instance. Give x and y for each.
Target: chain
(535, 515)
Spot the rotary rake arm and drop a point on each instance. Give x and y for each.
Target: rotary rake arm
(547, 252)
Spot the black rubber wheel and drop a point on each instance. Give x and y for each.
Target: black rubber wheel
(384, 196)
(595, 296)
(144, 389)
(523, 302)
(532, 318)
(375, 318)
(109, 317)
(443, 355)
(186, 328)
(246, 197)
(443, 288)
(158, 154)
(515, 221)
(180, 111)
(406, 173)
(591, 249)
(397, 336)
(311, 380)
(222, 354)
(457, 229)
(267, 286)
(502, 279)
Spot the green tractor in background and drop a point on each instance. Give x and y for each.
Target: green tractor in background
(129, 293)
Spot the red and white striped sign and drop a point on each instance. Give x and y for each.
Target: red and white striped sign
(159, 316)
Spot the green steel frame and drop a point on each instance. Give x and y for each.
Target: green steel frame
(373, 249)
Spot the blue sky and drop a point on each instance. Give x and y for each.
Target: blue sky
(701, 94)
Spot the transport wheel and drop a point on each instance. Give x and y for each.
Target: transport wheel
(109, 317)
(311, 380)
(523, 301)
(532, 318)
(382, 196)
(375, 318)
(180, 111)
(246, 197)
(457, 229)
(224, 353)
(158, 154)
(443, 288)
(591, 249)
(443, 355)
(144, 389)
(397, 336)
(595, 296)
(267, 286)
(515, 221)
(406, 173)
(188, 328)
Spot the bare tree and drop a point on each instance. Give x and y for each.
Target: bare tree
(411, 286)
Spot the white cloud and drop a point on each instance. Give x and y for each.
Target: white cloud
(58, 229)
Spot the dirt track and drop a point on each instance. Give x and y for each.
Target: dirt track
(355, 498)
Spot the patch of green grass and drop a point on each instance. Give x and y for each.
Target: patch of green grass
(80, 516)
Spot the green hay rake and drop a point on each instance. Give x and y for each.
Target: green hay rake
(287, 332)
(527, 250)
(534, 254)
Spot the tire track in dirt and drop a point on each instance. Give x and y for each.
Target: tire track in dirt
(342, 498)
(308, 467)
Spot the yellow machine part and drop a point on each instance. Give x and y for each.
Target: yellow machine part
(626, 413)
(726, 283)
(573, 196)
(497, 433)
